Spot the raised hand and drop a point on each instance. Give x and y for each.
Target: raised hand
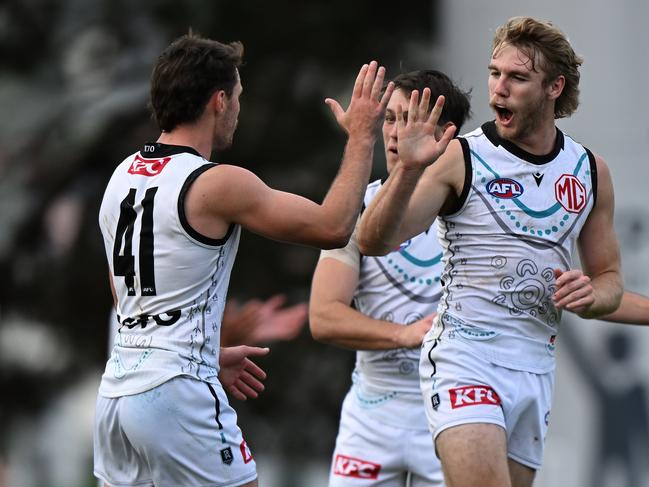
(365, 111)
(239, 375)
(257, 321)
(574, 291)
(277, 323)
(417, 144)
(413, 335)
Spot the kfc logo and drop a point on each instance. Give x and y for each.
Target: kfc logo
(472, 396)
(245, 452)
(570, 193)
(356, 468)
(147, 167)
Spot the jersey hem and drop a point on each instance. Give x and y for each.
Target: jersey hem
(147, 387)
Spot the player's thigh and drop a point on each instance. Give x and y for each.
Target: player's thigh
(474, 454)
(521, 475)
(368, 452)
(189, 435)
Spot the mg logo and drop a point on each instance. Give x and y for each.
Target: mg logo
(356, 468)
(472, 396)
(570, 193)
(147, 167)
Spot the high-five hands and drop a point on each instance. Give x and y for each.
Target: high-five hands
(365, 111)
(417, 145)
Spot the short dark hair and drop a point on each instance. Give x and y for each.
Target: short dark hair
(187, 73)
(457, 105)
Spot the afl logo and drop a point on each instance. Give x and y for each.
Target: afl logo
(504, 188)
(570, 193)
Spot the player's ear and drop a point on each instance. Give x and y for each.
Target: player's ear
(555, 87)
(217, 101)
(440, 129)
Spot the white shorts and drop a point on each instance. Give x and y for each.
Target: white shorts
(182, 432)
(370, 452)
(461, 388)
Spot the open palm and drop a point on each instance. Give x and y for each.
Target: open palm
(416, 141)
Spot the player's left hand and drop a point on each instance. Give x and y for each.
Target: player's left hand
(239, 375)
(416, 141)
(574, 291)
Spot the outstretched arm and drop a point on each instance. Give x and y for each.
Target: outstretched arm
(598, 289)
(419, 185)
(334, 321)
(227, 194)
(257, 322)
(633, 310)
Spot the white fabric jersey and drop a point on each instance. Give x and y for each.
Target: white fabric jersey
(520, 217)
(171, 282)
(401, 287)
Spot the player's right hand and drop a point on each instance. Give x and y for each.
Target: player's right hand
(365, 111)
(413, 335)
(239, 375)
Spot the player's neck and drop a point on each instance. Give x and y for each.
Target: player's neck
(189, 136)
(539, 141)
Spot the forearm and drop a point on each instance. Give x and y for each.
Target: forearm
(341, 325)
(343, 200)
(380, 227)
(607, 292)
(634, 310)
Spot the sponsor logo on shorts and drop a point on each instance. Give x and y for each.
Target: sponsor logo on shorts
(245, 452)
(147, 167)
(552, 344)
(435, 401)
(504, 188)
(356, 468)
(226, 455)
(473, 396)
(570, 193)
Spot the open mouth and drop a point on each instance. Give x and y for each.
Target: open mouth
(504, 115)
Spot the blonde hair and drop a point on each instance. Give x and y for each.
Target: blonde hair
(549, 47)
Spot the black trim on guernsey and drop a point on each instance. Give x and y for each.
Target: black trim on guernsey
(468, 177)
(489, 129)
(181, 210)
(157, 149)
(593, 173)
(217, 405)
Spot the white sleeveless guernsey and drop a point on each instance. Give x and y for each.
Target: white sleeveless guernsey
(171, 282)
(401, 287)
(520, 217)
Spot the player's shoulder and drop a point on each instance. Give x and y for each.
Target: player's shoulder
(223, 183)
(227, 174)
